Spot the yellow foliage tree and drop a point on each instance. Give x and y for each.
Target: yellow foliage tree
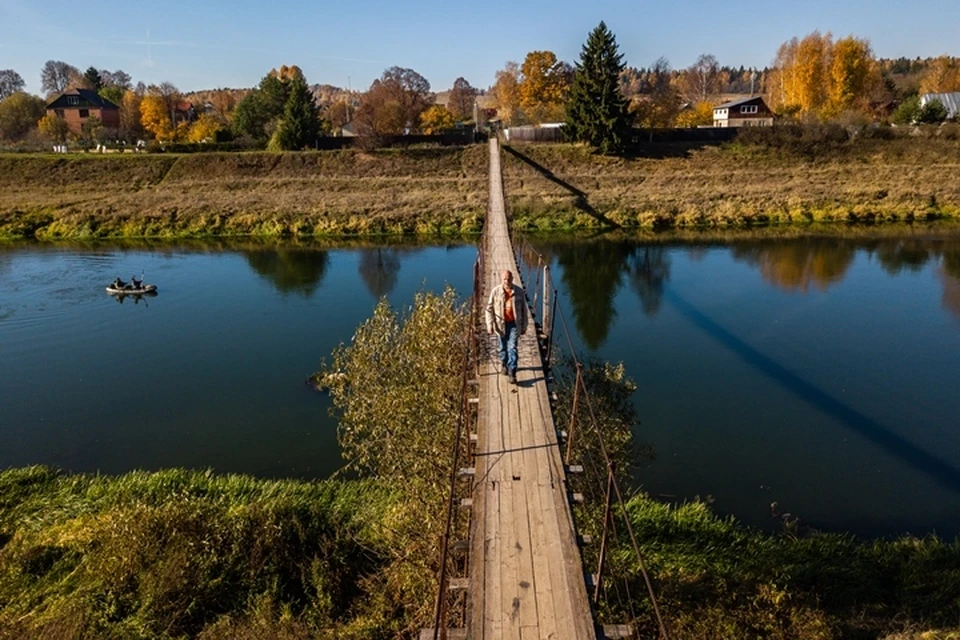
(942, 76)
(701, 115)
(506, 93)
(54, 127)
(204, 129)
(809, 88)
(543, 86)
(130, 113)
(435, 119)
(155, 117)
(853, 74)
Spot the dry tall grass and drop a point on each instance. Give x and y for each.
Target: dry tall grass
(353, 192)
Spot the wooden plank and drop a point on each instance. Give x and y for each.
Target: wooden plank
(543, 590)
(521, 525)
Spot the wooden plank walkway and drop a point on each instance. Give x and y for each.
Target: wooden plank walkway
(526, 576)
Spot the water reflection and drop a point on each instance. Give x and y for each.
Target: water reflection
(797, 265)
(649, 271)
(290, 270)
(378, 270)
(897, 256)
(592, 274)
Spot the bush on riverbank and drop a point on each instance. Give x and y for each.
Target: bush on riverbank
(178, 554)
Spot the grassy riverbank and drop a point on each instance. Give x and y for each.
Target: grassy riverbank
(322, 193)
(178, 554)
(444, 190)
(861, 180)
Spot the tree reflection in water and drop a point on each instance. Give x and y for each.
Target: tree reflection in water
(592, 273)
(796, 265)
(950, 279)
(378, 270)
(290, 270)
(649, 270)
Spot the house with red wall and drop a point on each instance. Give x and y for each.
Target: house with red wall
(76, 106)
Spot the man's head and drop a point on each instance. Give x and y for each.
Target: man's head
(507, 279)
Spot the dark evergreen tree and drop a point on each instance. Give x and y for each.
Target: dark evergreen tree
(596, 108)
(300, 125)
(93, 79)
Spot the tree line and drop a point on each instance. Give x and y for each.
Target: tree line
(814, 78)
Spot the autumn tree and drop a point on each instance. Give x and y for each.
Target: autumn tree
(118, 78)
(394, 102)
(54, 127)
(130, 121)
(700, 115)
(506, 93)
(660, 106)
(596, 109)
(10, 83)
(817, 77)
(460, 100)
(338, 114)
(300, 125)
(852, 74)
(155, 117)
(19, 114)
(543, 86)
(205, 128)
(701, 80)
(435, 119)
(942, 76)
(57, 76)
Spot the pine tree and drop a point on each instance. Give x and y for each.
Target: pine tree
(300, 125)
(596, 108)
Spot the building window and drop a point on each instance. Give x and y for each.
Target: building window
(73, 100)
(748, 108)
(84, 113)
(58, 113)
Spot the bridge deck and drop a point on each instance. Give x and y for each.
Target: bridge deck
(526, 576)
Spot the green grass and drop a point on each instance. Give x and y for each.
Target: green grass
(178, 554)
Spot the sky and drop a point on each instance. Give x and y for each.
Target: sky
(208, 44)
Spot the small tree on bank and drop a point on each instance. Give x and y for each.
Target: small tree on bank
(596, 109)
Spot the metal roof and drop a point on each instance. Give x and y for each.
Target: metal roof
(733, 103)
(950, 100)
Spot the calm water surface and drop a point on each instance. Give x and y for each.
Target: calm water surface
(818, 373)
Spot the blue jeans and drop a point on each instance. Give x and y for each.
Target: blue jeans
(508, 346)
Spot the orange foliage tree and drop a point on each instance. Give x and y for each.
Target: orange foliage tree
(544, 84)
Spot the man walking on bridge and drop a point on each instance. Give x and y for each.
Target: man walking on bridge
(507, 317)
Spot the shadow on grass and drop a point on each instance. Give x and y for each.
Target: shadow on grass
(581, 197)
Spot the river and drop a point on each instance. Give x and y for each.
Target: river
(816, 374)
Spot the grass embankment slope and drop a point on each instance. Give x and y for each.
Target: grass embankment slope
(742, 183)
(311, 193)
(765, 180)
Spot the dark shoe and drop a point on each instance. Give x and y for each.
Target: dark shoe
(512, 378)
(503, 369)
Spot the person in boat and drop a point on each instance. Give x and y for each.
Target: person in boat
(136, 284)
(119, 284)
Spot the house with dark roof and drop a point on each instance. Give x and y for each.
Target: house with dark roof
(76, 106)
(745, 112)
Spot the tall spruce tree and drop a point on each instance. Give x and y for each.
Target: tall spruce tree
(300, 125)
(596, 108)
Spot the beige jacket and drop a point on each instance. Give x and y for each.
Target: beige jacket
(496, 305)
